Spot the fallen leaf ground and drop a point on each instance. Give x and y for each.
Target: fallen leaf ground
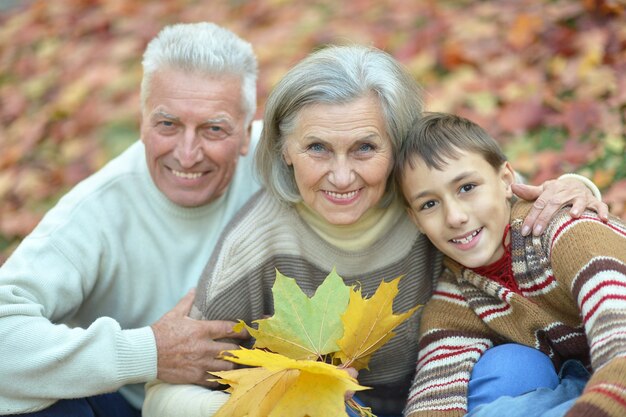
(546, 77)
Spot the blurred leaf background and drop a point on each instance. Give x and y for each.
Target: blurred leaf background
(545, 77)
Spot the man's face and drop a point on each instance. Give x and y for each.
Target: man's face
(194, 131)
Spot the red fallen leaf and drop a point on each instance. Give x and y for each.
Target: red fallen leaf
(549, 166)
(577, 152)
(18, 223)
(579, 117)
(521, 116)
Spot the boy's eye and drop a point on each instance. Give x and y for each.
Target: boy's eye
(467, 187)
(427, 205)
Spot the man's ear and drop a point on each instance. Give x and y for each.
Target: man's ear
(245, 143)
(507, 175)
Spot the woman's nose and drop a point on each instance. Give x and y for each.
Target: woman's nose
(341, 174)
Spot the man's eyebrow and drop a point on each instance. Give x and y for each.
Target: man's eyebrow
(217, 120)
(161, 113)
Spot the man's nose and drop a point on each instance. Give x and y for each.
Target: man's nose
(188, 150)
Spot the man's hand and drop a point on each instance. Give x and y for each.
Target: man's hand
(188, 348)
(551, 196)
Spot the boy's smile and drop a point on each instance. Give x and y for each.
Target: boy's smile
(463, 208)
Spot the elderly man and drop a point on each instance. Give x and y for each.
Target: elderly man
(123, 247)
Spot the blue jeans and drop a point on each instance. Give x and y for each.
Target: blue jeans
(517, 381)
(105, 405)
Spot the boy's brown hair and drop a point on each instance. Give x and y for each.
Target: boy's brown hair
(437, 136)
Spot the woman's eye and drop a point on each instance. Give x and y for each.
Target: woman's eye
(366, 147)
(316, 147)
(467, 187)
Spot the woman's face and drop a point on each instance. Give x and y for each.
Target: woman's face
(341, 157)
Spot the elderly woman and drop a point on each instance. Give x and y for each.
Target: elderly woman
(331, 128)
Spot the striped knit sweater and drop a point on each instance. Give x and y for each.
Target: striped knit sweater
(572, 306)
(269, 235)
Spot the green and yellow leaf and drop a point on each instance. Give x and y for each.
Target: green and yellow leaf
(368, 324)
(302, 327)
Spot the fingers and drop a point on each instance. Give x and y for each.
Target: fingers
(554, 195)
(539, 216)
(526, 192)
(219, 329)
(182, 308)
(602, 209)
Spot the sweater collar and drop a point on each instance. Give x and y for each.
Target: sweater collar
(374, 223)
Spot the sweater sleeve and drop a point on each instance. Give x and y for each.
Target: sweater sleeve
(452, 339)
(163, 399)
(590, 256)
(45, 360)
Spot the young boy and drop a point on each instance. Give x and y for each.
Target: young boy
(562, 293)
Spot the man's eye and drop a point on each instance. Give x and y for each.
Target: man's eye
(166, 123)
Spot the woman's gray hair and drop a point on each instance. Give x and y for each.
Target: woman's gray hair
(334, 75)
(205, 49)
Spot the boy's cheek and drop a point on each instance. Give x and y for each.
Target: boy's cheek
(413, 217)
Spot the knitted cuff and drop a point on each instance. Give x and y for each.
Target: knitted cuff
(594, 189)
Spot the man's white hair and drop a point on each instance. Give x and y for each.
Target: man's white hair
(204, 49)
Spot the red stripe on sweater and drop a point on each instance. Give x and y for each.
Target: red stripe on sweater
(449, 295)
(453, 348)
(463, 380)
(603, 339)
(597, 288)
(610, 394)
(494, 311)
(549, 280)
(451, 354)
(602, 300)
(585, 217)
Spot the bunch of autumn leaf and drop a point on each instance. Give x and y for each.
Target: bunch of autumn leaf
(296, 366)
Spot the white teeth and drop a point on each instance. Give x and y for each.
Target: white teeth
(187, 175)
(467, 239)
(341, 196)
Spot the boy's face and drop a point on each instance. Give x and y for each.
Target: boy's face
(464, 208)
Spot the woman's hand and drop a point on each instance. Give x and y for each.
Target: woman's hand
(551, 196)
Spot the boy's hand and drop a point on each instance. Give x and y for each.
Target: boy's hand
(551, 196)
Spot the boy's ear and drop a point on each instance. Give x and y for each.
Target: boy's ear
(413, 218)
(507, 175)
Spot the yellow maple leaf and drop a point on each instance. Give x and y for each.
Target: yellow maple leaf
(281, 386)
(368, 324)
